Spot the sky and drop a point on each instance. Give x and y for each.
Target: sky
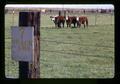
(76, 6)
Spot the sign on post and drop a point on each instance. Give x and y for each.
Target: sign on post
(22, 43)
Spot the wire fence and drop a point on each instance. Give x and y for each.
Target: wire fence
(11, 66)
(94, 18)
(62, 42)
(74, 52)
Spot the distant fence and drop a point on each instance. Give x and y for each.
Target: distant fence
(94, 18)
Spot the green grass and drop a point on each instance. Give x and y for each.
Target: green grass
(77, 53)
(70, 52)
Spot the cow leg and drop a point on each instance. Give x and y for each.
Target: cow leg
(58, 25)
(74, 24)
(84, 25)
(63, 24)
(55, 25)
(79, 25)
(68, 24)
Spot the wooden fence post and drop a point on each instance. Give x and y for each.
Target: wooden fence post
(95, 18)
(13, 17)
(26, 69)
(59, 13)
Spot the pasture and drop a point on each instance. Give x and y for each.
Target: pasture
(69, 52)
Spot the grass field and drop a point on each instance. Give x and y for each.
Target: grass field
(70, 52)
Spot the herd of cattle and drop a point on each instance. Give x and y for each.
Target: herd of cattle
(59, 21)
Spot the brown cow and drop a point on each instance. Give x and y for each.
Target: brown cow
(71, 20)
(58, 20)
(82, 20)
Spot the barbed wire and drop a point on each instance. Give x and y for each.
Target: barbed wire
(74, 43)
(77, 54)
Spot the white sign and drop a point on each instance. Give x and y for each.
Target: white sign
(22, 43)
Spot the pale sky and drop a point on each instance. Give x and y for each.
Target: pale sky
(76, 6)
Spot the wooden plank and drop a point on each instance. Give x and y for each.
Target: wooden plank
(23, 66)
(31, 70)
(34, 20)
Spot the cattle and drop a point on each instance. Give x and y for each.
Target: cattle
(61, 20)
(76, 21)
(82, 20)
(58, 20)
(71, 20)
(54, 19)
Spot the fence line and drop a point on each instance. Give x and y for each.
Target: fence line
(94, 18)
(74, 43)
(77, 54)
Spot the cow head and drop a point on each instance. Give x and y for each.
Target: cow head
(53, 19)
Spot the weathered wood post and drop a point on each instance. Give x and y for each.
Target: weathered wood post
(26, 69)
(59, 13)
(95, 18)
(13, 17)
